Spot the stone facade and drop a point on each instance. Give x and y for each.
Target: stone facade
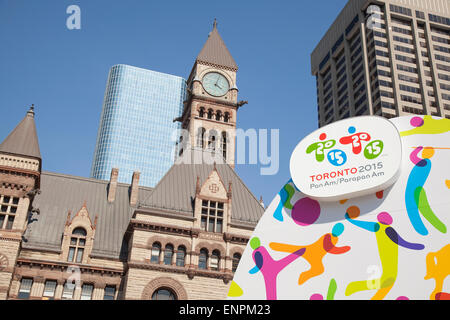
(65, 237)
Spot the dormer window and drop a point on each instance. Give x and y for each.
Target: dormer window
(77, 245)
(212, 216)
(78, 238)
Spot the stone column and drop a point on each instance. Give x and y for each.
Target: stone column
(59, 289)
(37, 288)
(99, 291)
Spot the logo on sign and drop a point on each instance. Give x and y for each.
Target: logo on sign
(347, 158)
(338, 157)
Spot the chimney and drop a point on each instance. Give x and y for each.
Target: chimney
(261, 202)
(113, 184)
(134, 194)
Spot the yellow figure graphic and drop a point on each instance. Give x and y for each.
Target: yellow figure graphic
(388, 241)
(438, 268)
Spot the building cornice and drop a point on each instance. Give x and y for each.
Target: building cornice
(226, 276)
(136, 224)
(166, 213)
(46, 264)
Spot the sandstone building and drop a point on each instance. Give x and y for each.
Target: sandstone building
(68, 237)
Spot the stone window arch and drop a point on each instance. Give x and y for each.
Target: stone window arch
(164, 283)
(214, 261)
(78, 237)
(218, 115)
(201, 112)
(203, 259)
(168, 254)
(226, 117)
(224, 144)
(156, 252)
(210, 114)
(77, 245)
(201, 137)
(212, 140)
(181, 256)
(164, 294)
(235, 262)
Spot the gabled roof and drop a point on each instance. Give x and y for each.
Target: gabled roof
(215, 51)
(61, 193)
(23, 139)
(176, 191)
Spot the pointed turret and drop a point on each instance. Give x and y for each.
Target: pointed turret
(215, 52)
(23, 141)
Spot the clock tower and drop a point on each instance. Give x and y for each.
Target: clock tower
(210, 110)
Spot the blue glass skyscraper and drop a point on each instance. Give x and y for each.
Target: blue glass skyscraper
(136, 124)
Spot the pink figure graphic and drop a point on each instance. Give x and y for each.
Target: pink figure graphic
(269, 267)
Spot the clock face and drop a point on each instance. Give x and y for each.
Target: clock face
(215, 84)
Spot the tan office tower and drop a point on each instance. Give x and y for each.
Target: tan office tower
(387, 58)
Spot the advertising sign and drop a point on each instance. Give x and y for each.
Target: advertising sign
(345, 160)
(366, 243)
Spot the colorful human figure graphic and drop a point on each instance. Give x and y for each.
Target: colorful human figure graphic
(315, 252)
(355, 139)
(438, 268)
(269, 267)
(415, 196)
(388, 241)
(285, 194)
(427, 125)
(320, 147)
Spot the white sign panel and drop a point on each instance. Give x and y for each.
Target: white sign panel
(348, 158)
(390, 244)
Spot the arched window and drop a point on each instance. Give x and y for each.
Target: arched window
(163, 294)
(201, 137)
(76, 246)
(224, 145)
(226, 117)
(218, 115)
(156, 251)
(203, 259)
(236, 259)
(181, 256)
(215, 259)
(180, 144)
(168, 254)
(212, 140)
(201, 112)
(210, 113)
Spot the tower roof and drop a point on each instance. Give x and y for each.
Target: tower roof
(23, 139)
(215, 51)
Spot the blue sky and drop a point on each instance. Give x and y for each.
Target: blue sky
(64, 72)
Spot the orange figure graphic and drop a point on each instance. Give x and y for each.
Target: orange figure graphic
(438, 268)
(315, 252)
